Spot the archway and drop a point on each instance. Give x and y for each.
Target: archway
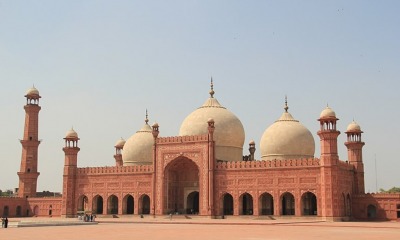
(344, 205)
(348, 206)
(266, 204)
(128, 204)
(309, 203)
(246, 204)
(97, 207)
(192, 203)
(181, 177)
(287, 204)
(144, 204)
(83, 203)
(371, 211)
(227, 204)
(6, 211)
(36, 210)
(18, 211)
(112, 206)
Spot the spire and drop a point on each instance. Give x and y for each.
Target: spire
(212, 89)
(286, 106)
(147, 118)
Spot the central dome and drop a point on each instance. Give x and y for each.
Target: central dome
(228, 135)
(287, 138)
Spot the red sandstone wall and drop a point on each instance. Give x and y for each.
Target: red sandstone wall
(46, 206)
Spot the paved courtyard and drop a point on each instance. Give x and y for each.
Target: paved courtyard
(208, 229)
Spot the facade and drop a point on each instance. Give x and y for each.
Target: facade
(203, 171)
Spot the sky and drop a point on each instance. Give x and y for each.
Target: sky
(100, 64)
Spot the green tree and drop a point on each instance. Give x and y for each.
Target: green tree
(392, 190)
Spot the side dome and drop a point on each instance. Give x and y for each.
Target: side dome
(287, 138)
(137, 149)
(229, 132)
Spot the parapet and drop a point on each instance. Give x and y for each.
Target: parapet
(116, 169)
(183, 139)
(287, 163)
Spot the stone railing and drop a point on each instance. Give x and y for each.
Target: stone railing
(181, 139)
(119, 169)
(288, 163)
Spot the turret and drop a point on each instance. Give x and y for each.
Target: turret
(328, 137)
(28, 173)
(354, 153)
(71, 150)
(119, 145)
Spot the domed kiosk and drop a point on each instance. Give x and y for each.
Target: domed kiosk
(137, 150)
(287, 138)
(229, 133)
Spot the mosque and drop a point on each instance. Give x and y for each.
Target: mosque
(203, 171)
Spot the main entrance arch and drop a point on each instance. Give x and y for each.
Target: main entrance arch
(181, 180)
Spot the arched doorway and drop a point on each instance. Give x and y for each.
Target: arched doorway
(36, 210)
(181, 177)
(348, 206)
(227, 204)
(6, 211)
(192, 203)
(18, 211)
(266, 204)
(97, 207)
(309, 203)
(112, 206)
(371, 211)
(83, 203)
(128, 204)
(344, 205)
(287, 204)
(246, 204)
(144, 204)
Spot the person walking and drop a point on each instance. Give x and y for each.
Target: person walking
(6, 222)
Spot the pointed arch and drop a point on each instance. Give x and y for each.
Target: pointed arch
(112, 204)
(309, 204)
(97, 204)
(83, 203)
(287, 204)
(144, 204)
(348, 205)
(246, 204)
(371, 211)
(266, 204)
(227, 204)
(192, 203)
(128, 204)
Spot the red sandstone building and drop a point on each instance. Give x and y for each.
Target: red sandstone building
(203, 171)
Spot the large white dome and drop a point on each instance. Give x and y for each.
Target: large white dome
(287, 138)
(229, 132)
(138, 148)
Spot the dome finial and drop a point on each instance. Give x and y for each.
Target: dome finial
(212, 88)
(147, 117)
(286, 106)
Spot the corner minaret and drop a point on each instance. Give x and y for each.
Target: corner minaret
(28, 173)
(71, 150)
(354, 153)
(329, 160)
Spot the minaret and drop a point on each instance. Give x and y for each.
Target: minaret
(329, 159)
(119, 145)
(71, 150)
(354, 152)
(28, 173)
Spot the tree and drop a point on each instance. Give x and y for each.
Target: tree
(392, 190)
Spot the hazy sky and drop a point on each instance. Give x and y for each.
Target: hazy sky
(99, 64)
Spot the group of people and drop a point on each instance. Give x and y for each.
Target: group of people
(89, 218)
(4, 222)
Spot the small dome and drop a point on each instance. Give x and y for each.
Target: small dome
(71, 134)
(327, 113)
(120, 143)
(229, 132)
(353, 127)
(252, 142)
(32, 91)
(287, 138)
(138, 148)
